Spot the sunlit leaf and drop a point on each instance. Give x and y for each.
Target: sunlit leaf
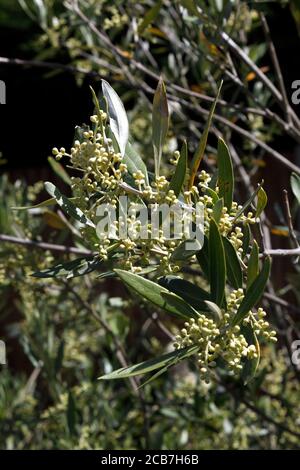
(134, 162)
(262, 200)
(151, 291)
(67, 205)
(295, 185)
(117, 116)
(153, 364)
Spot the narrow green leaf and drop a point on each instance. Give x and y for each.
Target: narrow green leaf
(246, 238)
(180, 305)
(253, 264)
(225, 174)
(160, 122)
(233, 265)
(203, 257)
(217, 210)
(70, 269)
(254, 293)
(247, 203)
(59, 170)
(202, 144)
(262, 200)
(67, 205)
(217, 264)
(295, 185)
(48, 202)
(117, 116)
(134, 162)
(152, 364)
(150, 16)
(151, 291)
(192, 293)
(251, 365)
(178, 177)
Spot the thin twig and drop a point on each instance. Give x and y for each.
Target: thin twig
(45, 246)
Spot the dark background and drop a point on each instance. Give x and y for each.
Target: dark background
(43, 108)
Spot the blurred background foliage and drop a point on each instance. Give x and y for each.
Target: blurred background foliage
(56, 345)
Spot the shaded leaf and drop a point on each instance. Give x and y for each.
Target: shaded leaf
(251, 365)
(253, 264)
(160, 122)
(150, 16)
(233, 265)
(180, 304)
(192, 293)
(59, 170)
(217, 265)
(203, 257)
(247, 203)
(202, 144)
(225, 174)
(254, 293)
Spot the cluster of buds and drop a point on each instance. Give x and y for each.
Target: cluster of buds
(219, 339)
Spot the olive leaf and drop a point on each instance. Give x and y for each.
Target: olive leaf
(253, 264)
(202, 144)
(178, 177)
(217, 264)
(262, 200)
(59, 170)
(151, 365)
(253, 293)
(160, 122)
(295, 185)
(225, 174)
(117, 116)
(67, 205)
(155, 293)
(233, 265)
